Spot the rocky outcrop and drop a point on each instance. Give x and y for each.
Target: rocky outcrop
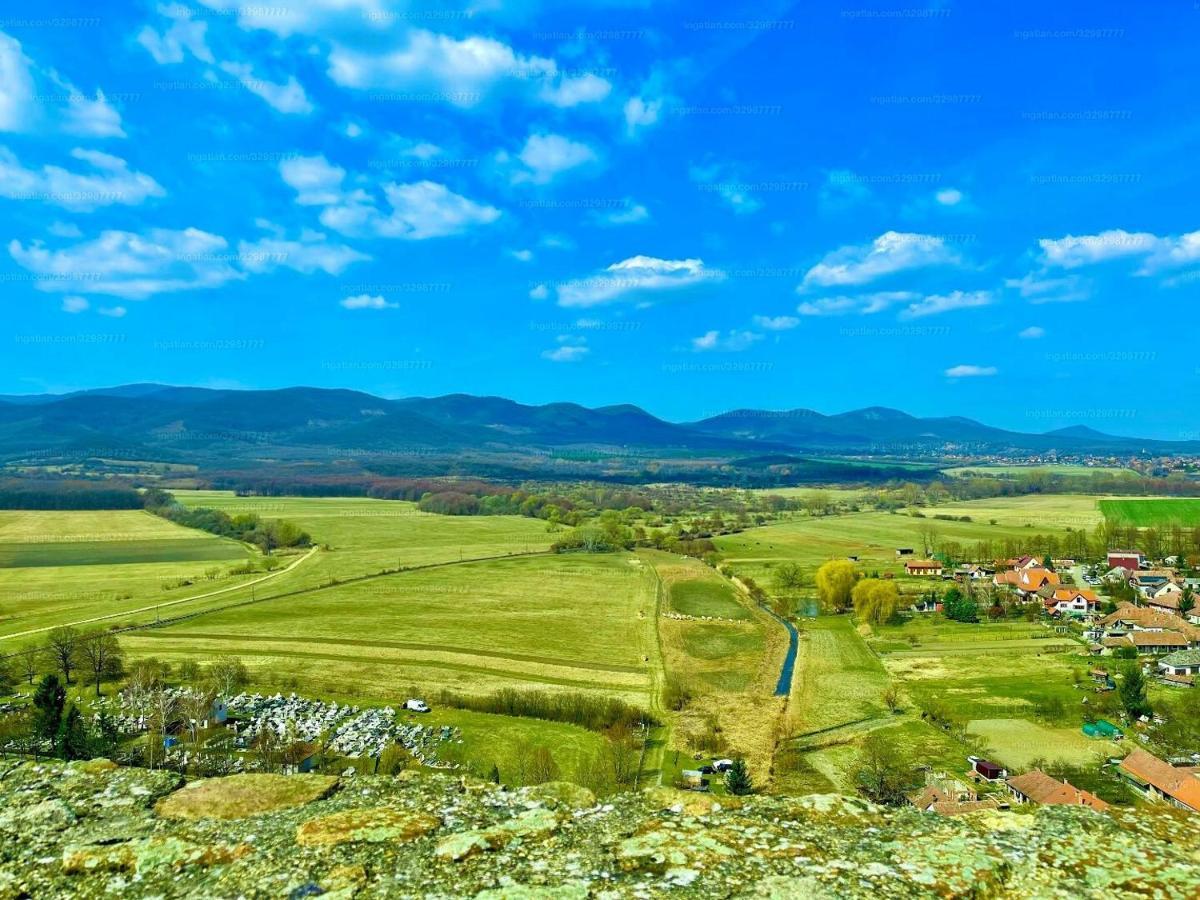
(93, 830)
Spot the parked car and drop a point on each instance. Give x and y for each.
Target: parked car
(723, 765)
(419, 706)
(707, 770)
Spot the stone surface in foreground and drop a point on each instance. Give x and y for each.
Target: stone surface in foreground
(91, 830)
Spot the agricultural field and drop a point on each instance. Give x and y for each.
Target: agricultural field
(549, 622)
(721, 672)
(838, 680)
(1037, 511)
(1152, 513)
(60, 567)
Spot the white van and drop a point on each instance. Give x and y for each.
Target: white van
(416, 706)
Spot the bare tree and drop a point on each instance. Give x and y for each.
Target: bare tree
(29, 664)
(100, 653)
(196, 706)
(62, 646)
(227, 675)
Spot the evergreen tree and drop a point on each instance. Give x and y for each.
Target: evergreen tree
(737, 779)
(1133, 692)
(495, 774)
(72, 739)
(48, 700)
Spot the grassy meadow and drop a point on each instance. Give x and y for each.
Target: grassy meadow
(1156, 513)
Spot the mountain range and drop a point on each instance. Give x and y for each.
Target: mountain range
(228, 428)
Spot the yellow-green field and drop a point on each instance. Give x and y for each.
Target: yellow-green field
(556, 622)
(1152, 512)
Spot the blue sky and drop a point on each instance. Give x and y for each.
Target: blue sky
(693, 207)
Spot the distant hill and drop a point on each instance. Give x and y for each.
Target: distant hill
(230, 428)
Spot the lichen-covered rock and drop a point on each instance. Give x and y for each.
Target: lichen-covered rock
(368, 825)
(240, 796)
(562, 793)
(91, 831)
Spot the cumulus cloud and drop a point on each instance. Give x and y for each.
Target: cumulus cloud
(105, 180)
(570, 91)
(74, 304)
(367, 301)
(636, 276)
(312, 252)
(935, 304)
(310, 17)
(418, 210)
(288, 98)
(522, 255)
(131, 265)
(1032, 333)
(1157, 253)
(888, 254)
(539, 292)
(546, 156)
(970, 371)
(865, 304)
(113, 312)
(1038, 288)
(731, 341)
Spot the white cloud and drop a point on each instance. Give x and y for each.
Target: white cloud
(315, 180)
(74, 304)
(311, 253)
(634, 276)
(546, 156)
(891, 252)
(1073, 251)
(1038, 289)
(776, 323)
(629, 214)
(539, 292)
(949, 196)
(108, 182)
(31, 98)
(866, 304)
(843, 189)
(17, 103)
(521, 255)
(460, 71)
(367, 301)
(640, 113)
(1033, 332)
(288, 98)
(573, 90)
(91, 118)
(419, 210)
(1158, 253)
(935, 304)
(113, 312)
(184, 33)
(352, 130)
(131, 265)
(566, 353)
(731, 341)
(970, 371)
(310, 17)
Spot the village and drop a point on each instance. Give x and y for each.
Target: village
(1130, 609)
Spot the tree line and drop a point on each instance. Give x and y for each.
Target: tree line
(267, 534)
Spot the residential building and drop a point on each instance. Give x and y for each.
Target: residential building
(1126, 559)
(1069, 601)
(1181, 662)
(1155, 779)
(1038, 787)
(926, 568)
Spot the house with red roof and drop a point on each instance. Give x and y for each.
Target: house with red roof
(1158, 780)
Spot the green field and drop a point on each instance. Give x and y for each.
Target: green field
(838, 680)
(58, 567)
(1061, 469)
(1155, 513)
(555, 622)
(710, 596)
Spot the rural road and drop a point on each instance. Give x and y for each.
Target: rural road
(155, 606)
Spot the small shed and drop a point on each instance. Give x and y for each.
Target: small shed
(987, 769)
(1102, 729)
(692, 779)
